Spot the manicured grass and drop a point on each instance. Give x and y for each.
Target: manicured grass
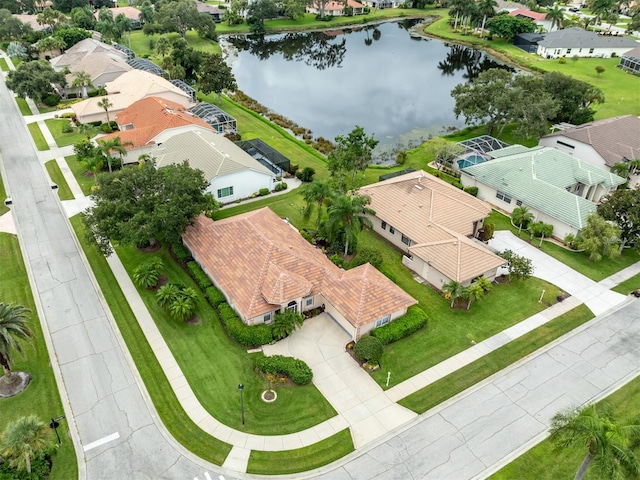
(546, 462)
(41, 397)
(38, 138)
(169, 409)
(475, 372)
(85, 181)
(3, 65)
(23, 106)
(579, 261)
(628, 285)
(141, 44)
(620, 88)
(63, 139)
(301, 459)
(214, 365)
(594, 270)
(64, 192)
(3, 194)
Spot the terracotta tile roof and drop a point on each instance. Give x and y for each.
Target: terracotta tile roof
(332, 6)
(149, 117)
(615, 139)
(523, 12)
(131, 13)
(261, 263)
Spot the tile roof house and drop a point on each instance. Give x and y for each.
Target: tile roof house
(576, 41)
(602, 142)
(558, 189)
(232, 173)
(336, 9)
(150, 121)
(433, 223)
(102, 68)
(81, 50)
(216, 13)
(128, 88)
(263, 265)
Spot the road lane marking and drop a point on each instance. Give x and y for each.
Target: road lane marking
(102, 441)
(207, 476)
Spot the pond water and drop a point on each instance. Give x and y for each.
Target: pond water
(395, 85)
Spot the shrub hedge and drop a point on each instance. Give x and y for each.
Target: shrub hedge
(199, 276)
(411, 322)
(297, 370)
(214, 296)
(181, 252)
(249, 336)
(369, 349)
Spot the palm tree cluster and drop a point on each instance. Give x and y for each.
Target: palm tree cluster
(24, 440)
(347, 214)
(469, 12)
(147, 274)
(473, 292)
(178, 300)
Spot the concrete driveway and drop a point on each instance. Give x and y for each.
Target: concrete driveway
(350, 390)
(597, 297)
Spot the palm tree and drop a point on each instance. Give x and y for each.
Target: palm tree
(112, 145)
(183, 307)
(315, 195)
(472, 293)
(484, 283)
(163, 46)
(82, 79)
(167, 294)
(85, 129)
(454, 289)
(621, 169)
(13, 330)
(105, 104)
(147, 274)
(286, 323)
(556, 15)
(93, 164)
(146, 12)
(521, 216)
(50, 44)
(487, 8)
(23, 439)
(349, 213)
(607, 441)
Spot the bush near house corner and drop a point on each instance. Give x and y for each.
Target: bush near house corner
(247, 335)
(199, 276)
(214, 296)
(411, 322)
(297, 370)
(181, 252)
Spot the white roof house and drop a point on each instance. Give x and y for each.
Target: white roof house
(76, 54)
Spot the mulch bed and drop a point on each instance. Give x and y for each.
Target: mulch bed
(18, 385)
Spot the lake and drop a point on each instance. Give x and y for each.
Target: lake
(395, 85)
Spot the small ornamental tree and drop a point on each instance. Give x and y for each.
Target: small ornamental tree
(453, 290)
(600, 238)
(368, 349)
(518, 266)
(285, 323)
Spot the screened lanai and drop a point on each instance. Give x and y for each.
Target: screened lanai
(146, 65)
(267, 156)
(124, 49)
(218, 119)
(185, 88)
(483, 144)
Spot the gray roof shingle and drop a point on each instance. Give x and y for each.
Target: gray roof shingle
(581, 38)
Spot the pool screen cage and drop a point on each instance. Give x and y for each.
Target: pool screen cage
(126, 50)
(147, 66)
(483, 144)
(267, 156)
(185, 88)
(218, 119)
(387, 176)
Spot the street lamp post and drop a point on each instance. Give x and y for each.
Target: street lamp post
(241, 388)
(55, 423)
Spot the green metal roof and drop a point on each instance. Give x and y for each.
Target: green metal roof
(539, 178)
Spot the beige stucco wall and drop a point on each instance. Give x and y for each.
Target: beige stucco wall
(583, 151)
(364, 329)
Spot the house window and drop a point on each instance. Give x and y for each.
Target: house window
(225, 192)
(267, 317)
(568, 51)
(392, 230)
(383, 225)
(519, 203)
(309, 302)
(590, 50)
(565, 144)
(293, 306)
(503, 196)
(406, 240)
(383, 321)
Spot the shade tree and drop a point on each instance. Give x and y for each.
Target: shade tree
(34, 79)
(600, 238)
(215, 76)
(507, 27)
(622, 207)
(518, 266)
(352, 154)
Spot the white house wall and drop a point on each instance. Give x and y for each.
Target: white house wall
(244, 183)
(598, 52)
(582, 151)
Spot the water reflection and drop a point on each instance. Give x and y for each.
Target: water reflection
(376, 77)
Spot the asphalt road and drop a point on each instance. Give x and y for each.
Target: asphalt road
(107, 413)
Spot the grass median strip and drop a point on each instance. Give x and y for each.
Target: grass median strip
(3, 194)
(301, 459)
(41, 398)
(169, 409)
(85, 179)
(38, 138)
(23, 106)
(484, 367)
(628, 285)
(56, 176)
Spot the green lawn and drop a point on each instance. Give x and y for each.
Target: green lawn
(628, 285)
(545, 462)
(63, 139)
(214, 366)
(621, 89)
(301, 459)
(85, 181)
(64, 192)
(23, 106)
(3, 65)
(41, 397)
(141, 44)
(579, 261)
(475, 372)
(38, 138)
(169, 409)
(3, 194)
